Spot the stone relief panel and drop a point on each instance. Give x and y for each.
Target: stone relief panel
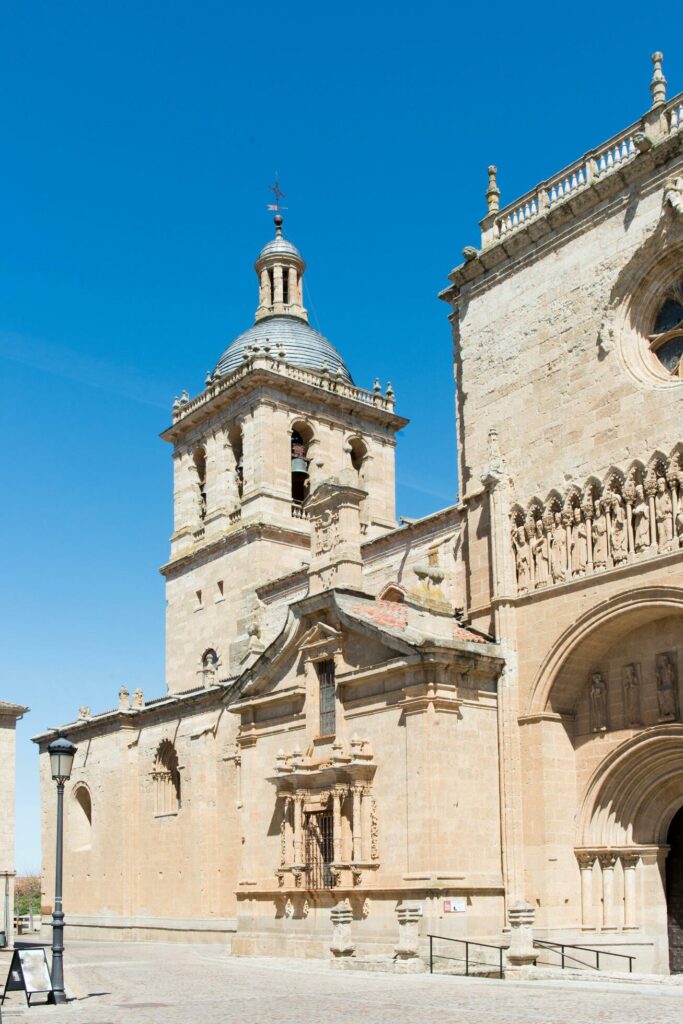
(627, 516)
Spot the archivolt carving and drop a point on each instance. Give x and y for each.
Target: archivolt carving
(625, 517)
(635, 791)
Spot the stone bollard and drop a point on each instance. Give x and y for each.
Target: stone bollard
(342, 916)
(407, 958)
(521, 952)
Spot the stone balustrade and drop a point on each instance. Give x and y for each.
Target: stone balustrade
(624, 517)
(596, 165)
(263, 357)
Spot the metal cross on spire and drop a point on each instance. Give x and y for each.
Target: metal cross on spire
(275, 189)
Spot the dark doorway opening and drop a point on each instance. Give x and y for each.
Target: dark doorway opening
(674, 893)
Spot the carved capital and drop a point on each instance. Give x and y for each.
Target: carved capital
(607, 860)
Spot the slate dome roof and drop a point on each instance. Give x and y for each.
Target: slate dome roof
(303, 345)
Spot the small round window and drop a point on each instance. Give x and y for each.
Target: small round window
(667, 340)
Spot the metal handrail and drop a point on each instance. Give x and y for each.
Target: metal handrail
(561, 946)
(469, 962)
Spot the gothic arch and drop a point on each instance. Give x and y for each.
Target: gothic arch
(635, 791)
(562, 673)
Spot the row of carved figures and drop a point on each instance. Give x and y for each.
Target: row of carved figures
(604, 526)
(666, 677)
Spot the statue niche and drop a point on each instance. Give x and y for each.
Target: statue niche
(667, 686)
(598, 703)
(631, 687)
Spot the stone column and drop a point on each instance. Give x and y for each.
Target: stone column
(651, 490)
(291, 286)
(337, 797)
(521, 952)
(357, 791)
(629, 495)
(298, 827)
(409, 915)
(277, 276)
(607, 862)
(629, 863)
(265, 298)
(341, 916)
(588, 509)
(586, 862)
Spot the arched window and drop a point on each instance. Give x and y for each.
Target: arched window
(358, 451)
(301, 437)
(209, 667)
(80, 826)
(166, 777)
(667, 339)
(199, 457)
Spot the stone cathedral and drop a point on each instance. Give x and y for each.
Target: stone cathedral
(376, 729)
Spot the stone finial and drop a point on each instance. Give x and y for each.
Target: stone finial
(493, 192)
(208, 380)
(124, 699)
(84, 713)
(658, 83)
(138, 701)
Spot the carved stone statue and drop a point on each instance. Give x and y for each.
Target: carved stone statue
(598, 701)
(579, 544)
(663, 516)
(522, 558)
(632, 695)
(558, 552)
(641, 521)
(599, 536)
(541, 558)
(673, 194)
(667, 686)
(618, 533)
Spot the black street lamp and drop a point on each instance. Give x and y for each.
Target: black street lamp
(61, 759)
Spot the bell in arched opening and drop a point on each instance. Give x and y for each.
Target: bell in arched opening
(299, 468)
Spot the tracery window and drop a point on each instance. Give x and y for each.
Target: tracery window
(667, 339)
(166, 775)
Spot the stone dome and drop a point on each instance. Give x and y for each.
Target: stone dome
(303, 346)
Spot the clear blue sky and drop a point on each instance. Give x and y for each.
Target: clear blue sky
(138, 140)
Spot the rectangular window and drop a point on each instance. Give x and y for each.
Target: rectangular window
(219, 591)
(198, 600)
(319, 850)
(326, 697)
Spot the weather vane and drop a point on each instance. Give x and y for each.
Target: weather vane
(275, 189)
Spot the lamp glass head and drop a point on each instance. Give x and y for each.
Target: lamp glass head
(62, 754)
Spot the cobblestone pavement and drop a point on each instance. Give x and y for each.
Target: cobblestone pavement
(170, 984)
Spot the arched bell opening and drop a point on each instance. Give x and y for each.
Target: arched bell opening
(235, 442)
(301, 437)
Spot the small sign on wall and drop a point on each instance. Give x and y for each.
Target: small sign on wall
(455, 905)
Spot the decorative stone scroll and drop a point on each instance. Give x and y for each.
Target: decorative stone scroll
(627, 516)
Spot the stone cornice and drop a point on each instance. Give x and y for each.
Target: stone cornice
(267, 372)
(236, 536)
(134, 718)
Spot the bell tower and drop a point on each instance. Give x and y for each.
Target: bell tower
(279, 415)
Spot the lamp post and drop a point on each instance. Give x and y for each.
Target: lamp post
(61, 759)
